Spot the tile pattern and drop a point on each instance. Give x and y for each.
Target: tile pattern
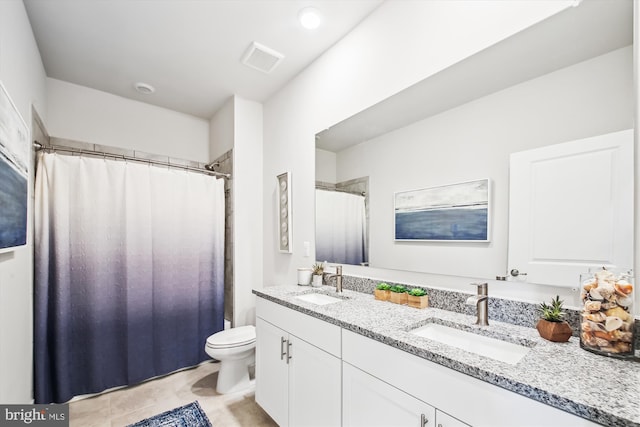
(572, 382)
(128, 405)
(226, 166)
(117, 151)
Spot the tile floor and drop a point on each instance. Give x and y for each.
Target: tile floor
(128, 405)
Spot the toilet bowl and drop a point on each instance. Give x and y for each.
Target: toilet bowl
(235, 349)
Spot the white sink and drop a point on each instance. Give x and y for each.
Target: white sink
(489, 347)
(318, 299)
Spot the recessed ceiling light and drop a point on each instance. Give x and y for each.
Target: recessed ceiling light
(310, 18)
(144, 88)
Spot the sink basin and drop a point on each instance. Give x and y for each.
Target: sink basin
(318, 299)
(485, 346)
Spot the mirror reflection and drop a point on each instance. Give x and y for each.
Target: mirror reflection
(342, 217)
(564, 79)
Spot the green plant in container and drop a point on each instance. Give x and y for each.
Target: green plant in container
(382, 291)
(318, 270)
(398, 294)
(551, 325)
(418, 298)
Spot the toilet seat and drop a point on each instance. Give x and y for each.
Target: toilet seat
(234, 337)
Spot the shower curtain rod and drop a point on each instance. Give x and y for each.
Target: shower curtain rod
(38, 146)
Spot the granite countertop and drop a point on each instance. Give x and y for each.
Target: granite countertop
(602, 389)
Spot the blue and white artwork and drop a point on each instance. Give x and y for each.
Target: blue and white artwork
(456, 212)
(14, 174)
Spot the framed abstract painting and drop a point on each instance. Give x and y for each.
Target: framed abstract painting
(14, 174)
(450, 213)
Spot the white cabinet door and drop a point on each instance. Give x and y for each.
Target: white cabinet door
(446, 420)
(571, 208)
(272, 371)
(314, 386)
(370, 402)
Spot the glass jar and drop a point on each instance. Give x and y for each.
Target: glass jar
(606, 321)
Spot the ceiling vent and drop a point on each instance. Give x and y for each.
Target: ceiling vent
(261, 58)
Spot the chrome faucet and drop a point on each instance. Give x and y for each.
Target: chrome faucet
(481, 301)
(338, 277)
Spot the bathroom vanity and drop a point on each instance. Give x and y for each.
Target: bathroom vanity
(346, 359)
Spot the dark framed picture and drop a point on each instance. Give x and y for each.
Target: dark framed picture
(451, 213)
(14, 174)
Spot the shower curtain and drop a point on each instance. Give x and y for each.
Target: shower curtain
(128, 272)
(340, 228)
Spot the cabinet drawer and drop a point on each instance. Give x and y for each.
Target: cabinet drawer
(314, 331)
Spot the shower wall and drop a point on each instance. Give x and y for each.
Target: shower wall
(226, 166)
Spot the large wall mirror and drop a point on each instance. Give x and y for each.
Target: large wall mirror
(567, 78)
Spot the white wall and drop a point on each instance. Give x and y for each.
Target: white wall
(23, 76)
(326, 166)
(221, 130)
(247, 208)
(84, 114)
(399, 44)
(473, 142)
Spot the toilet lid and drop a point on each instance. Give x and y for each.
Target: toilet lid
(233, 337)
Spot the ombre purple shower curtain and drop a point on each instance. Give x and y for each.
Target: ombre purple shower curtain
(128, 272)
(341, 228)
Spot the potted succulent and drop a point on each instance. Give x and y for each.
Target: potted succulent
(551, 325)
(418, 298)
(318, 270)
(381, 292)
(398, 294)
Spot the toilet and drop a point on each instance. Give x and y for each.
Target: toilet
(235, 349)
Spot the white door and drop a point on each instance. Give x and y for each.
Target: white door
(370, 402)
(272, 371)
(314, 386)
(571, 208)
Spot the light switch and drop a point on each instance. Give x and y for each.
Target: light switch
(307, 249)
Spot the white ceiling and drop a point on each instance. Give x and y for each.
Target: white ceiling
(189, 50)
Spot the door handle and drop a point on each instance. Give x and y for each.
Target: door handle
(283, 352)
(515, 272)
(423, 420)
(289, 356)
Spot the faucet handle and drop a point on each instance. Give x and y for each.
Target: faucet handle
(338, 269)
(478, 284)
(483, 287)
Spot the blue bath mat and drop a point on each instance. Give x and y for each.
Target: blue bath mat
(190, 415)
